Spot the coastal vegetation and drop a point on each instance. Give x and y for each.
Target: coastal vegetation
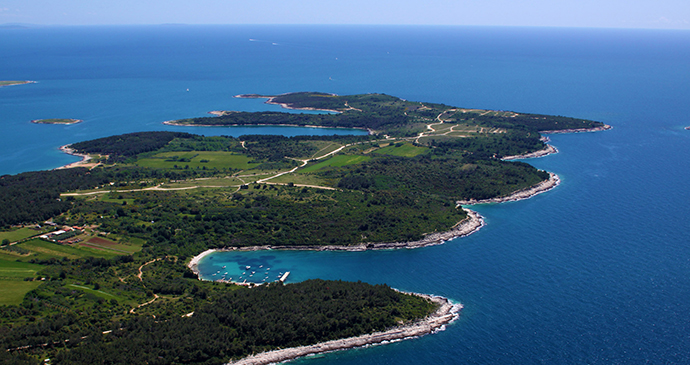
(93, 261)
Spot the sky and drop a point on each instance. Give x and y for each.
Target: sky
(663, 14)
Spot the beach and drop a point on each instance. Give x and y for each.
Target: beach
(70, 151)
(446, 313)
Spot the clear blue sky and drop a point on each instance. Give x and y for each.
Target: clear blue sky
(569, 13)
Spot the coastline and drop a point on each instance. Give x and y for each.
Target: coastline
(445, 314)
(605, 127)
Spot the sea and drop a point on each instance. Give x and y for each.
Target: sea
(595, 271)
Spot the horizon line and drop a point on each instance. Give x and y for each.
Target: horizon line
(28, 25)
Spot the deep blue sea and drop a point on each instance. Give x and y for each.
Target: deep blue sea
(596, 271)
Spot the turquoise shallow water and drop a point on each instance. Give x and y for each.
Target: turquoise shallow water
(594, 271)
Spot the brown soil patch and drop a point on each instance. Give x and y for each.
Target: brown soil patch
(101, 241)
(91, 246)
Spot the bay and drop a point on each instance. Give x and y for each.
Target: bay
(594, 271)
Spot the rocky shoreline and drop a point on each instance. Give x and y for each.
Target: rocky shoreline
(527, 193)
(549, 150)
(446, 313)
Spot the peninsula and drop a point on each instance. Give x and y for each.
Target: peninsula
(119, 268)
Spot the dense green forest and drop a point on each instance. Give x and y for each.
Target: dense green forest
(225, 323)
(117, 290)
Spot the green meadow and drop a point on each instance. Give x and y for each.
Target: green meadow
(13, 287)
(198, 160)
(336, 161)
(12, 292)
(404, 150)
(21, 233)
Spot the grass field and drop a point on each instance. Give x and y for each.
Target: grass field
(21, 233)
(13, 270)
(12, 284)
(198, 159)
(12, 292)
(336, 161)
(406, 150)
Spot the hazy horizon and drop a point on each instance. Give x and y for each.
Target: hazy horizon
(662, 14)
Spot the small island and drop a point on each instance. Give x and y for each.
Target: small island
(12, 83)
(62, 121)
